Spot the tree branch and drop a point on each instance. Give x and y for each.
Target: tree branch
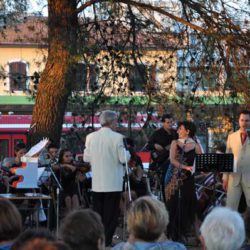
(148, 7)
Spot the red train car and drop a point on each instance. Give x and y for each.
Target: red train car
(14, 128)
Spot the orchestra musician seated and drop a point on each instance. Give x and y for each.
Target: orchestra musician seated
(13, 162)
(66, 173)
(137, 182)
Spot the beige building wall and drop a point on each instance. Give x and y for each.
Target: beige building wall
(165, 63)
(165, 78)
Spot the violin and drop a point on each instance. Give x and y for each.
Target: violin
(83, 167)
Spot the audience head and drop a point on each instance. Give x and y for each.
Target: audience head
(222, 229)
(147, 219)
(108, 118)
(43, 244)
(30, 235)
(187, 126)
(83, 229)
(10, 221)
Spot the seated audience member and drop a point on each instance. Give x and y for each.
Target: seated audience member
(10, 223)
(83, 229)
(43, 244)
(222, 229)
(30, 235)
(146, 222)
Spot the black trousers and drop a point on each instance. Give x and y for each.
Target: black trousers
(107, 205)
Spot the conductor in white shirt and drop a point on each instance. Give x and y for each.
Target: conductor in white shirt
(104, 150)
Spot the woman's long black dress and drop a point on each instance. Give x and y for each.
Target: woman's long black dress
(182, 205)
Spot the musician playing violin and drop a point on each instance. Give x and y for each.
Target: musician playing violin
(20, 150)
(13, 162)
(135, 165)
(66, 173)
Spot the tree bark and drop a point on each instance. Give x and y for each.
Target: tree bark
(58, 75)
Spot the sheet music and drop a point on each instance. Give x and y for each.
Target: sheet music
(40, 172)
(43, 175)
(37, 148)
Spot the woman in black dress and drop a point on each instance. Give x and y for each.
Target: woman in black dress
(180, 187)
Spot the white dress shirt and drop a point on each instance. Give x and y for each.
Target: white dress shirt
(106, 154)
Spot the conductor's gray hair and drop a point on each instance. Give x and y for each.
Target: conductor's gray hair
(223, 229)
(107, 117)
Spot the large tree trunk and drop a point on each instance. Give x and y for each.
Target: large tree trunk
(58, 75)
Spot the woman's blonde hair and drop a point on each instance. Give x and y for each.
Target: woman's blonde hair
(147, 218)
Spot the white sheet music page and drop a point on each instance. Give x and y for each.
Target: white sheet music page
(37, 148)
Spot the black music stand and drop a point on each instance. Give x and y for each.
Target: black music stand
(214, 162)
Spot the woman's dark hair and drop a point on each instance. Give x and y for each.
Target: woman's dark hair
(10, 221)
(43, 244)
(61, 154)
(188, 126)
(31, 234)
(19, 146)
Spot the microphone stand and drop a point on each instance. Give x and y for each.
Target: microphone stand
(127, 187)
(59, 188)
(179, 189)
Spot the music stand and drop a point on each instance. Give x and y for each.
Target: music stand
(214, 162)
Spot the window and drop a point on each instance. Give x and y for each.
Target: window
(185, 78)
(208, 78)
(138, 77)
(153, 83)
(192, 77)
(18, 76)
(93, 77)
(81, 77)
(86, 77)
(4, 146)
(239, 75)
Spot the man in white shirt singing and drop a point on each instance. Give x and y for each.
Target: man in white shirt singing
(238, 143)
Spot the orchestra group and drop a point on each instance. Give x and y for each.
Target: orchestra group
(110, 173)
